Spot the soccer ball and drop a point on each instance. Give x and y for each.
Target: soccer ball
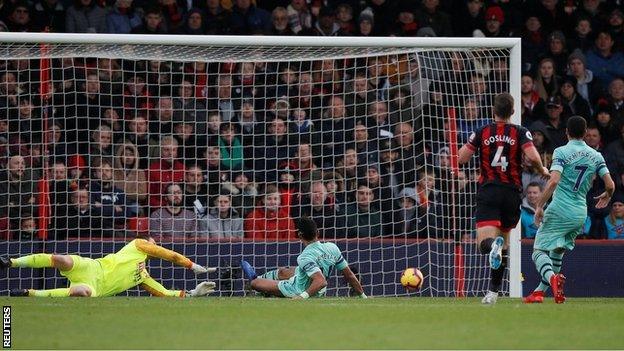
(412, 279)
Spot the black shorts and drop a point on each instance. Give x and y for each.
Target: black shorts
(498, 206)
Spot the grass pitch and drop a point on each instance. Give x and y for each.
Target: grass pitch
(331, 323)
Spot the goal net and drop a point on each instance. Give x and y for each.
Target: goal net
(215, 146)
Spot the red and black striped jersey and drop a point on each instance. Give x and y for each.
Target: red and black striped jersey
(500, 148)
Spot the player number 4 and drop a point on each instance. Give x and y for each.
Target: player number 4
(500, 160)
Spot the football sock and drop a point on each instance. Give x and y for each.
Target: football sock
(271, 275)
(496, 275)
(556, 259)
(486, 245)
(33, 261)
(64, 292)
(544, 266)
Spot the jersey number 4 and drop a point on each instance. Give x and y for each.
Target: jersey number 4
(500, 160)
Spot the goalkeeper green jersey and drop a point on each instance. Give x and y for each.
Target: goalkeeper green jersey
(122, 270)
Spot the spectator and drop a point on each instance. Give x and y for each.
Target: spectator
(50, 15)
(326, 25)
(366, 149)
(102, 141)
(244, 193)
(468, 18)
(186, 135)
(614, 222)
(269, 221)
(581, 38)
(138, 135)
(615, 152)
(378, 121)
(527, 209)
(328, 217)
(194, 189)
(278, 147)
(406, 220)
(555, 123)
(428, 194)
(19, 20)
(344, 15)
(362, 219)
(382, 189)
(194, 23)
(27, 229)
(546, 82)
(592, 138)
(173, 219)
(587, 85)
(217, 18)
(335, 128)
(189, 107)
(430, 15)
(606, 125)
(385, 14)
(616, 26)
(249, 19)
(152, 23)
(213, 175)
(470, 120)
(131, 179)
(231, 148)
(85, 16)
(495, 19)
(574, 104)
(279, 22)
(164, 171)
(299, 17)
(122, 19)
(366, 24)
(558, 52)
(173, 12)
(533, 106)
(83, 219)
(615, 100)
(336, 195)
(605, 63)
(405, 24)
(223, 221)
(111, 201)
(17, 190)
(409, 155)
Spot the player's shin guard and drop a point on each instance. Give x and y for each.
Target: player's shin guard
(486, 245)
(496, 275)
(40, 260)
(64, 292)
(271, 275)
(544, 265)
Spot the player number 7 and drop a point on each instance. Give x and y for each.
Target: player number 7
(500, 160)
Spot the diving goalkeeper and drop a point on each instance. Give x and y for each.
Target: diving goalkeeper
(109, 275)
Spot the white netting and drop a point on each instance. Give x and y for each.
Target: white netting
(134, 136)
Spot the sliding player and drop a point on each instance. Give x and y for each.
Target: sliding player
(314, 265)
(572, 174)
(109, 275)
(500, 146)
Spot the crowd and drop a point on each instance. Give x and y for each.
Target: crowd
(241, 150)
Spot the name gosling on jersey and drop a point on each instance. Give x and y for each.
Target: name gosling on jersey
(499, 138)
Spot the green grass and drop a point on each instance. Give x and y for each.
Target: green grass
(331, 323)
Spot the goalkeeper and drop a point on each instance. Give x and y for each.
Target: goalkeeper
(109, 275)
(314, 265)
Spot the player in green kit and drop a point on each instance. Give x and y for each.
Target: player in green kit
(571, 176)
(314, 265)
(109, 275)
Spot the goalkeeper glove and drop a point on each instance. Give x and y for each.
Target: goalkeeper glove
(201, 269)
(202, 289)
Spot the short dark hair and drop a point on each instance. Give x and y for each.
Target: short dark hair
(503, 105)
(535, 184)
(577, 126)
(307, 229)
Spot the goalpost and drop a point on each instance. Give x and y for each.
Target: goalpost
(351, 130)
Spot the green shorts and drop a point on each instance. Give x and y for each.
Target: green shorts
(558, 232)
(85, 271)
(290, 288)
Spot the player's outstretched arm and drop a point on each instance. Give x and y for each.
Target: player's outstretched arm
(154, 250)
(465, 153)
(533, 156)
(156, 289)
(555, 176)
(605, 197)
(353, 281)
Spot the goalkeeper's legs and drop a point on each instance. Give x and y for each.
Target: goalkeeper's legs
(41, 260)
(74, 291)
